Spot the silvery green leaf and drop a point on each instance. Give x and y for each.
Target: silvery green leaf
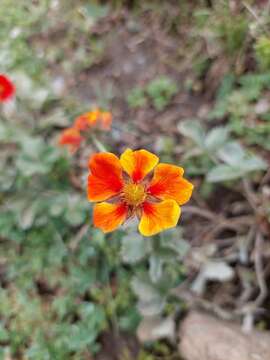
(232, 153)
(192, 128)
(32, 147)
(174, 240)
(181, 246)
(224, 173)
(134, 248)
(155, 269)
(29, 91)
(253, 163)
(155, 328)
(151, 308)
(30, 167)
(216, 138)
(26, 217)
(144, 290)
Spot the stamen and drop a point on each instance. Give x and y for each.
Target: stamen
(134, 194)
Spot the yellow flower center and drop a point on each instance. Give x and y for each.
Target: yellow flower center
(134, 194)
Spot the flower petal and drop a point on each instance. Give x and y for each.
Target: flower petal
(168, 183)
(157, 217)
(92, 117)
(7, 89)
(81, 123)
(109, 217)
(105, 179)
(138, 163)
(72, 138)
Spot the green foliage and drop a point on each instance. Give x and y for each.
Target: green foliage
(63, 283)
(159, 91)
(156, 272)
(226, 159)
(242, 101)
(262, 50)
(136, 98)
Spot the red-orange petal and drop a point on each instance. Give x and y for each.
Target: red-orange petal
(109, 217)
(81, 123)
(138, 163)
(105, 179)
(157, 217)
(71, 137)
(168, 183)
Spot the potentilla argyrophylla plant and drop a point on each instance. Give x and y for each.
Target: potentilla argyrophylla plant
(137, 186)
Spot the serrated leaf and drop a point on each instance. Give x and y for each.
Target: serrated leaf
(253, 163)
(193, 130)
(144, 290)
(174, 241)
(155, 269)
(232, 153)
(151, 308)
(224, 173)
(134, 248)
(216, 138)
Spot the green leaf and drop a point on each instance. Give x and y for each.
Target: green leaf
(236, 157)
(216, 138)
(193, 129)
(232, 153)
(144, 290)
(94, 11)
(155, 269)
(134, 248)
(224, 173)
(151, 308)
(253, 163)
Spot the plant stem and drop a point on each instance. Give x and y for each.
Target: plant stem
(98, 144)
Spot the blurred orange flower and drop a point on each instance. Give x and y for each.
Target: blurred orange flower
(106, 120)
(131, 190)
(7, 89)
(72, 138)
(93, 118)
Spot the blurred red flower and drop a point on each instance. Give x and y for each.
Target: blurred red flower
(7, 89)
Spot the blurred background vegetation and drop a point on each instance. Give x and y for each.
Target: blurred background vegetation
(189, 80)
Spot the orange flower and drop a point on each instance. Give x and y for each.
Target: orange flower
(130, 190)
(72, 138)
(93, 118)
(106, 120)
